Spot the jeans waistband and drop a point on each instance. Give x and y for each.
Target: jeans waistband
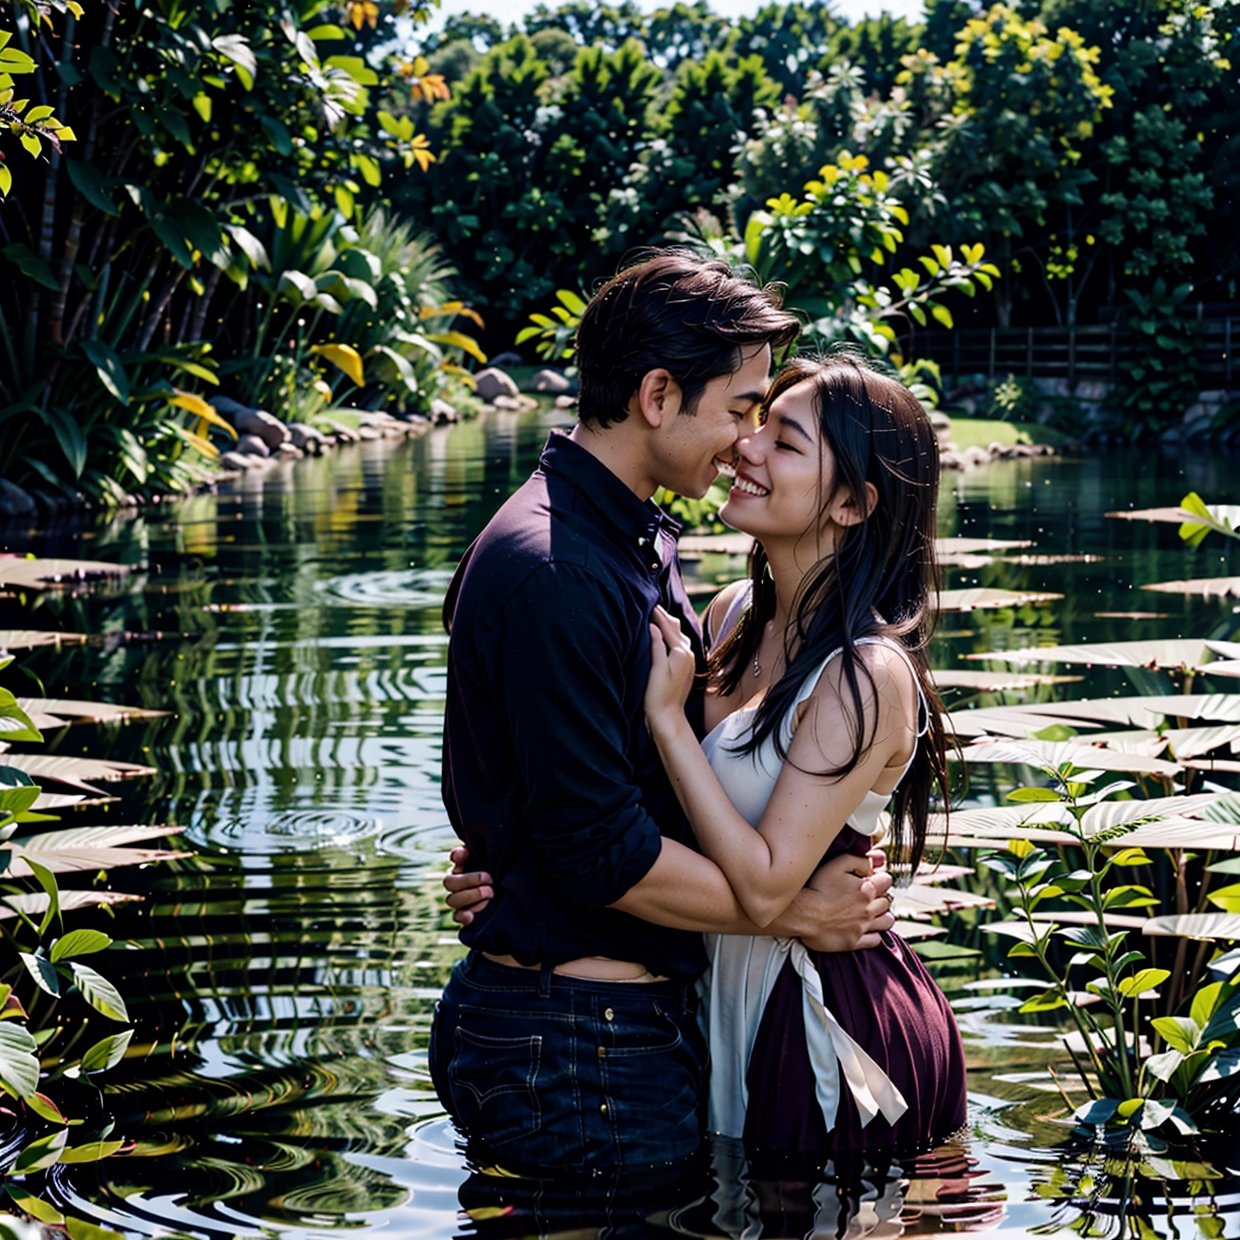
(542, 981)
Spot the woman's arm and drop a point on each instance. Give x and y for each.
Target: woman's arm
(768, 867)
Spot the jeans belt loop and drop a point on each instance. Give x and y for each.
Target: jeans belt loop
(545, 974)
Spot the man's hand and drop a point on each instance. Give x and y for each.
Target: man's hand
(468, 893)
(845, 906)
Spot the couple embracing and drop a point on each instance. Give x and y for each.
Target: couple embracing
(674, 842)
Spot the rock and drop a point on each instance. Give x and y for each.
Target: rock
(950, 460)
(305, 437)
(507, 359)
(252, 445)
(493, 382)
(14, 502)
(565, 402)
(975, 456)
(940, 421)
(290, 452)
(256, 422)
(554, 382)
(442, 413)
(507, 402)
(235, 463)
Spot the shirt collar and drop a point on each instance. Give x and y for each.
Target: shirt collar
(641, 525)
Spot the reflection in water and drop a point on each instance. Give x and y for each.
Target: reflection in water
(282, 978)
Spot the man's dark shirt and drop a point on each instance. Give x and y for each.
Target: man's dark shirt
(549, 773)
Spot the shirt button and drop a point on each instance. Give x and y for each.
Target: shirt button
(602, 1053)
(603, 1108)
(609, 1014)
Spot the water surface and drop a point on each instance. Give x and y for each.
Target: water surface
(282, 975)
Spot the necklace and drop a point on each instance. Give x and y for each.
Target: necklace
(757, 664)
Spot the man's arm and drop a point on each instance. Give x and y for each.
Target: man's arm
(845, 906)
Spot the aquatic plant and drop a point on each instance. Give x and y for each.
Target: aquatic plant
(38, 1035)
(1107, 986)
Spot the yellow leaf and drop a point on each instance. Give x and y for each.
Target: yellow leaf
(461, 341)
(344, 356)
(201, 409)
(453, 308)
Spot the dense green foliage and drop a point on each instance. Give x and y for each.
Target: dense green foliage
(204, 231)
(1084, 144)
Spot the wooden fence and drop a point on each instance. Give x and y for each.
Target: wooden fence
(1077, 354)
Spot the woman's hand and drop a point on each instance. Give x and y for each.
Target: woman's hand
(468, 893)
(672, 668)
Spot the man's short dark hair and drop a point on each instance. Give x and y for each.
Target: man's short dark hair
(673, 310)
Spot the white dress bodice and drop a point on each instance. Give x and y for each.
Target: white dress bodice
(743, 969)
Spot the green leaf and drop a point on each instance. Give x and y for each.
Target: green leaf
(107, 1053)
(89, 181)
(1043, 1003)
(1204, 1002)
(30, 264)
(1131, 856)
(45, 1108)
(35, 1207)
(80, 1229)
(1096, 1112)
(1034, 794)
(109, 368)
(1226, 898)
(1141, 981)
(101, 994)
(47, 880)
(1161, 1067)
(43, 972)
(93, 1151)
(19, 1064)
(79, 943)
(943, 315)
(41, 1154)
(1179, 1032)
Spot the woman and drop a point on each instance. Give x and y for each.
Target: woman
(823, 715)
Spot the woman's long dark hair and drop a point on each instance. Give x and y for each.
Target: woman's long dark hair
(882, 579)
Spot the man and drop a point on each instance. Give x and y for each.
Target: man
(568, 1038)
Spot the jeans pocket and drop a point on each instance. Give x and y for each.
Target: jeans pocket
(653, 1078)
(492, 1085)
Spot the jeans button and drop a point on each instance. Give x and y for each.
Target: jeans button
(603, 1108)
(609, 1014)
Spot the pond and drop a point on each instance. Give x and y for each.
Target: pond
(282, 972)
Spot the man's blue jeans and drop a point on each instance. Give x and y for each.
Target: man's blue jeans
(549, 1073)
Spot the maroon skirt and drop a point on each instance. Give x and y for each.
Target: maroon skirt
(888, 1002)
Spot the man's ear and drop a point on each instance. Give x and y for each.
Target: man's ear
(657, 397)
(844, 509)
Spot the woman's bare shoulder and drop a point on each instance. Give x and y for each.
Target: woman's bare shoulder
(717, 608)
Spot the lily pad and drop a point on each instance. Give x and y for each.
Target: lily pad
(1190, 653)
(28, 639)
(1204, 587)
(87, 848)
(60, 711)
(995, 682)
(918, 901)
(981, 598)
(75, 772)
(1203, 926)
(19, 572)
(1041, 754)
(35, 903)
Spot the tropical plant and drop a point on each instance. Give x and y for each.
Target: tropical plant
(122, 259)
(51, 1019)
(1197, 1075)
